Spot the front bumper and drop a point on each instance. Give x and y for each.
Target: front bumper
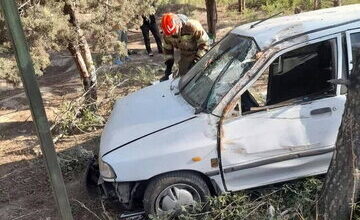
(124, 192)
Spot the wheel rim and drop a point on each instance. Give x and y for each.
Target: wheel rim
(174, 197)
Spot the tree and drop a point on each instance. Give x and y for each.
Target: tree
(317, 4)
(211, 13)
(82, 55)
(337, 3)
(66, 25)
(241, 5)
(341, 187)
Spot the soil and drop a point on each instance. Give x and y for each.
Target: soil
(25, 192)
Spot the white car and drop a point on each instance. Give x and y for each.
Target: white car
(257, 109)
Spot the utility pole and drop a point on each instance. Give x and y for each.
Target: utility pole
(26, 68)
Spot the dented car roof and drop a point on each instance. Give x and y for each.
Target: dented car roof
(277, 29)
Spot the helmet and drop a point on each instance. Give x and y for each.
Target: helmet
(170, 23)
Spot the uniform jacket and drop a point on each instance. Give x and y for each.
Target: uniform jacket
(192, 40)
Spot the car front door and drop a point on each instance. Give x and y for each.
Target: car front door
(288, 118)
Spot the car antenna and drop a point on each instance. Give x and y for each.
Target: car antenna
(264, 19)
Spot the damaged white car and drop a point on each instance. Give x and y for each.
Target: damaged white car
(258, 108)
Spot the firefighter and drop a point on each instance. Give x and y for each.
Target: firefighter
(188, 36)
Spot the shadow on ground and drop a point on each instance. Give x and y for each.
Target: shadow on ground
(25, 191)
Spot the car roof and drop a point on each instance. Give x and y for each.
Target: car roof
(277, 29)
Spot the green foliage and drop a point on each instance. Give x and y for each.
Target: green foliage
(74, 160)
(275, 6)
(145, 75)
(47, 29)
(292, 200)
(11, 73)
(75, 117)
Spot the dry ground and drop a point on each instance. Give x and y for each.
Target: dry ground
(24, 187)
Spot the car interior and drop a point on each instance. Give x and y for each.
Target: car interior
(296, 76)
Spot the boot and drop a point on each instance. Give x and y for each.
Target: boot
(164, 78)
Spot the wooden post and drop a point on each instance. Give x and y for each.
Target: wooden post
(26, 68)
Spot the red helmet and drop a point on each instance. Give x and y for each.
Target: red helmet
(170, 23)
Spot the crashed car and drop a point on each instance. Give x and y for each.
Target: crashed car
(259, 108)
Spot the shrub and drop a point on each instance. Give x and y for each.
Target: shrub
(292, 200)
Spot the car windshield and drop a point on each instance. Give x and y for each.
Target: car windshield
(218, 71)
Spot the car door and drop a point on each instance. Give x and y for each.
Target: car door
(289, 118)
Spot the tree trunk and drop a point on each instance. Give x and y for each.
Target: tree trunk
(341, 187)
(241, 5)
(78, 58)
(82, 57)
(317, 4)
(211, 17)
(89, 86)
(337, 3)
(85, 51)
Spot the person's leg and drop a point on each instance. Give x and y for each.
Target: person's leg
(155, 31)
(145, 32)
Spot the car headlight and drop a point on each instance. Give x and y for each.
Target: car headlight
(106, 170)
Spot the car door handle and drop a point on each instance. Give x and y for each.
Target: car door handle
(320, 111)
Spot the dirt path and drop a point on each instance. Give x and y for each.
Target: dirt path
(24, 188)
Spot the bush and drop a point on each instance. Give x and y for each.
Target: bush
(77, 118)
(292, 200)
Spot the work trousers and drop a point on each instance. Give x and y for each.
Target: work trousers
(146, 28)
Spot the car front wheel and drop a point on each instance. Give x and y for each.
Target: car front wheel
(168, 193)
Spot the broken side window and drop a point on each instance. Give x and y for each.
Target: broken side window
(296, 76)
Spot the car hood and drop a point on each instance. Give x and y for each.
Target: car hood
(149, 110)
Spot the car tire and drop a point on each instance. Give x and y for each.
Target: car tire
(91, 177)
(183, 186)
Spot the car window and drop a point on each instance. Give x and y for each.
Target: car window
(296, 76)
(355, 45)
(216, 73)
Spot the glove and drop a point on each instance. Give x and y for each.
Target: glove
(195, 61)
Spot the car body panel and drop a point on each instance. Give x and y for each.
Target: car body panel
(277, 29)
(168, 150)
(278, 172)
(273, 134)
(143, 112)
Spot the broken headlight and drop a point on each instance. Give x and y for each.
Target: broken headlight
(106, 170)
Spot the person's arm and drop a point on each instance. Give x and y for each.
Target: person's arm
(169, 55)
(202, 41)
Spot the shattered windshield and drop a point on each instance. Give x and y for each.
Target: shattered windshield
(218, 71)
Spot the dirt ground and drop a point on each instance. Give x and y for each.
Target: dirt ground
(25, 192)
